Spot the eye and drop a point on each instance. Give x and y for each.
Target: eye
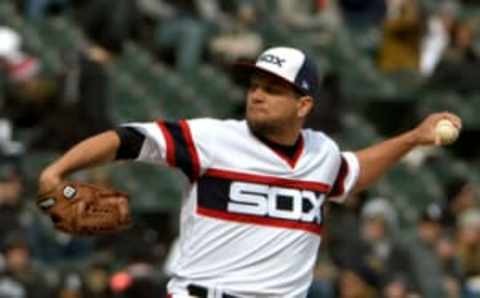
(273, 90)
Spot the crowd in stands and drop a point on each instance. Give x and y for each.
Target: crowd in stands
(384, 64)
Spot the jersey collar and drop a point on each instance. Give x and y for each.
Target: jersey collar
(290, 154)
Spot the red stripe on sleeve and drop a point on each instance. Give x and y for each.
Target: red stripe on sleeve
(339, 185)
(191, 148)
(170, 144)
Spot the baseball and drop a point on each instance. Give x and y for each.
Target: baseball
(446, 131)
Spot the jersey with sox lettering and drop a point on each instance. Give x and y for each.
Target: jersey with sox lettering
(252, 220)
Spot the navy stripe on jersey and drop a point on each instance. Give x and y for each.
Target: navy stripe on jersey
(181, 152)
(338, 188)
(260, 204)
(131, 142)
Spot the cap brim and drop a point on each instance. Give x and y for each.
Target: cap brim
(247, 69)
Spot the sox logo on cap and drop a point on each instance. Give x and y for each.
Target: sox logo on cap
(289, 64)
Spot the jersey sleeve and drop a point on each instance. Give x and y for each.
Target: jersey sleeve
(348, 173)
(183, 144)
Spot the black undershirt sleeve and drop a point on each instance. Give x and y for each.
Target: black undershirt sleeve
(131, 142)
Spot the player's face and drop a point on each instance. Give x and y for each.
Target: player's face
(271, 104)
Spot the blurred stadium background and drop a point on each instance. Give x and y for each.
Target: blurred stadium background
(72, 68)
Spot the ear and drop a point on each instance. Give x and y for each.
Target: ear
(305, 105)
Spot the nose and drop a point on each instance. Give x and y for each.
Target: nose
(256, 94)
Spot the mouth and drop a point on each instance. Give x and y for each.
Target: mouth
(257, 110)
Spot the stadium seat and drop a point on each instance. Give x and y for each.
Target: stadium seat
(150, 187)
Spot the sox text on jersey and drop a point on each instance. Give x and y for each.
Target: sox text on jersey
(252, 219)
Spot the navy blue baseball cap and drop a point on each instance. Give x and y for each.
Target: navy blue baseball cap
(289, 64)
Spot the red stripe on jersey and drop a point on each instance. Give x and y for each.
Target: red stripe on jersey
(293, 160)
(339, 185)
(191, 148)
(265, 221)
(297, 154)
(170, 144)
(269, 180)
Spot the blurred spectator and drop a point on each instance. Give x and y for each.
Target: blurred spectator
(8, 147)
(342, 226)
(19, 66)
(82, 106)
(241, 41)
(397, 287)
(468, 242)
(55, 248)
(16, 216)
(379, 210)
(11, 288)
(437, 36)
(461, 197)
(11, 188)
(428, 268)
(357, 281)
(307, 17)
(379, 245)
(449, 260)
(28, 95)
(402, 33)
(138, 280)
(110, 24)
(71, 286)
(186, 34)
(96, 281)
(363, 12)
(20, 268)
(377, 253)
(459, 67)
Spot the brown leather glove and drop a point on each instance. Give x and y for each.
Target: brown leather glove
(86, 209)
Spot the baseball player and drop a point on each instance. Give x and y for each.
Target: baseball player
(252, 220)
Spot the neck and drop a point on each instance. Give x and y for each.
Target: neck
(283, 140)
(287, 136)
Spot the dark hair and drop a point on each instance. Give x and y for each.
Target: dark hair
(15, 240)
(453, 188)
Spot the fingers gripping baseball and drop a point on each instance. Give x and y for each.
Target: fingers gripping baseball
(439, 129)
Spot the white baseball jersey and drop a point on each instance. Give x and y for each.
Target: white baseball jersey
(251, 223)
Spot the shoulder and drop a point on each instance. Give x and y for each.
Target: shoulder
(212, 123)
(217, 129)
(216, 126)
(318, 140)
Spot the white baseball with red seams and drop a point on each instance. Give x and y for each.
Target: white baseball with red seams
(251, 222)
(446, 131)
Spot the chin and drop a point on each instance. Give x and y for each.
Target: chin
(261, 126)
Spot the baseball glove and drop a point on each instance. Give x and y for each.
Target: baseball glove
(86, 209)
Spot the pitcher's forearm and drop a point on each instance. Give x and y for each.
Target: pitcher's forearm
(94, 151)
(378, 159)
